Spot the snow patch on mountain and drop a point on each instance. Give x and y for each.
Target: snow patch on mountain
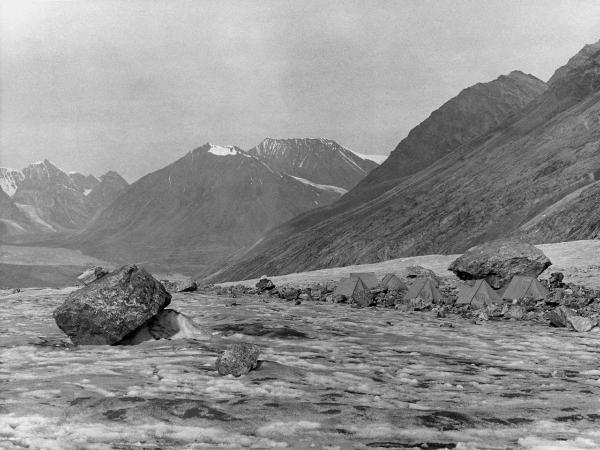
(349, 160)
(10, 180)
(32, 214)
(379, 159)
(323, 187)
(13, 226)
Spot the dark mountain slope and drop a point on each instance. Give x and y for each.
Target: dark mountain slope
(111, 185)
(473, 112)
(483, 189)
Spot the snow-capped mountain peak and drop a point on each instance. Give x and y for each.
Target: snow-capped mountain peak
(226, 150)
(10, 179)
(319, 160)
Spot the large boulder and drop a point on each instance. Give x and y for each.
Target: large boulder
(105, 311)
(498, 262)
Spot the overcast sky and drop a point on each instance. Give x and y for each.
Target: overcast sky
(133, 85)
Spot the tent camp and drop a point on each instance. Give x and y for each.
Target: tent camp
(354, 289)
(392, 283)
(424, 288)
(368, 278)
(525, 287)
(479, 295)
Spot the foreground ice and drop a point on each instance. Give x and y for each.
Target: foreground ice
(330, 376)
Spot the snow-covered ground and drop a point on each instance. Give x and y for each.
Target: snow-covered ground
(331, 377)
(578, 260)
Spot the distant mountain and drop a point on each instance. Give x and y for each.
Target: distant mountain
(13, 222)
(53, 200)
(498, 162)
(50, 198)
(109, 187)
(321, 161)
(84, 182)
(201, 209)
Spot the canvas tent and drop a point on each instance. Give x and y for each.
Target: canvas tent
(386, 278)
(393, 283)
(479, 295)
(424, 288)
(368, 278)
(354, 289)
(524, 287)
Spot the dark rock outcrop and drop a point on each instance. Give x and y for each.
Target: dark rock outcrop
(238, 359)
(105, 311)
(499, 261)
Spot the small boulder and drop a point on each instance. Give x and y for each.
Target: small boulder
(105, 311)
(581, 324)
(481, 316)
(420, 304)
(187, 285)
(556, 280)
(559, 317)
(290, 294)
(238, 359)
(92, 274)
(339, 298)
(515, 312)
(499, 261)
(264, 284)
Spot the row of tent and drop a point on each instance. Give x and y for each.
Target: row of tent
(481, 293)
(359, 285)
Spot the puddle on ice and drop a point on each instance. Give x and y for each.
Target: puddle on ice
(328, 376)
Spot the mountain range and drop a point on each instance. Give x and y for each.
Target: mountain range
(514, 157)
(43, 199)
(216, 201)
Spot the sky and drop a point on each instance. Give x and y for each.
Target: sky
(134, 85)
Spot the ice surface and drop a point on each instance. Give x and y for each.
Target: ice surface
(361, 378)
